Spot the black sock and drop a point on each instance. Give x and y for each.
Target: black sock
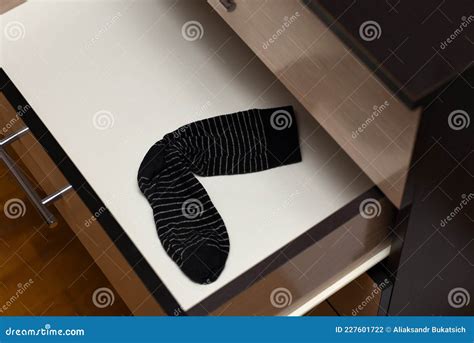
(190, 229)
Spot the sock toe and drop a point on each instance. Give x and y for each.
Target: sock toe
(205, 264)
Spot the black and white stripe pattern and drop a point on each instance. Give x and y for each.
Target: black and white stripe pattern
(190, 229)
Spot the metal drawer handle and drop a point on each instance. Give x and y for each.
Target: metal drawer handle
(39, 203)
(228, 4)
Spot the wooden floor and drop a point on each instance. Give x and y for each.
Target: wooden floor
(46, 271)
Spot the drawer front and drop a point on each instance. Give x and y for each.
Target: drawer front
(48, 179)
(347, 99)
(309, 278)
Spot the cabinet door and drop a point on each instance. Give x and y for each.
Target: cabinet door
(375, 129)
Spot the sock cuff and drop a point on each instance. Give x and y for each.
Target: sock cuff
(281, 134)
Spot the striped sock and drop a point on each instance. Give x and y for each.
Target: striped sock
(189, 227)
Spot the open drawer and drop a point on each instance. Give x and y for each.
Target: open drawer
(366, 119)
(319, 224)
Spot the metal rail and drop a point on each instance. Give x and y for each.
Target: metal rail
(40, 204)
